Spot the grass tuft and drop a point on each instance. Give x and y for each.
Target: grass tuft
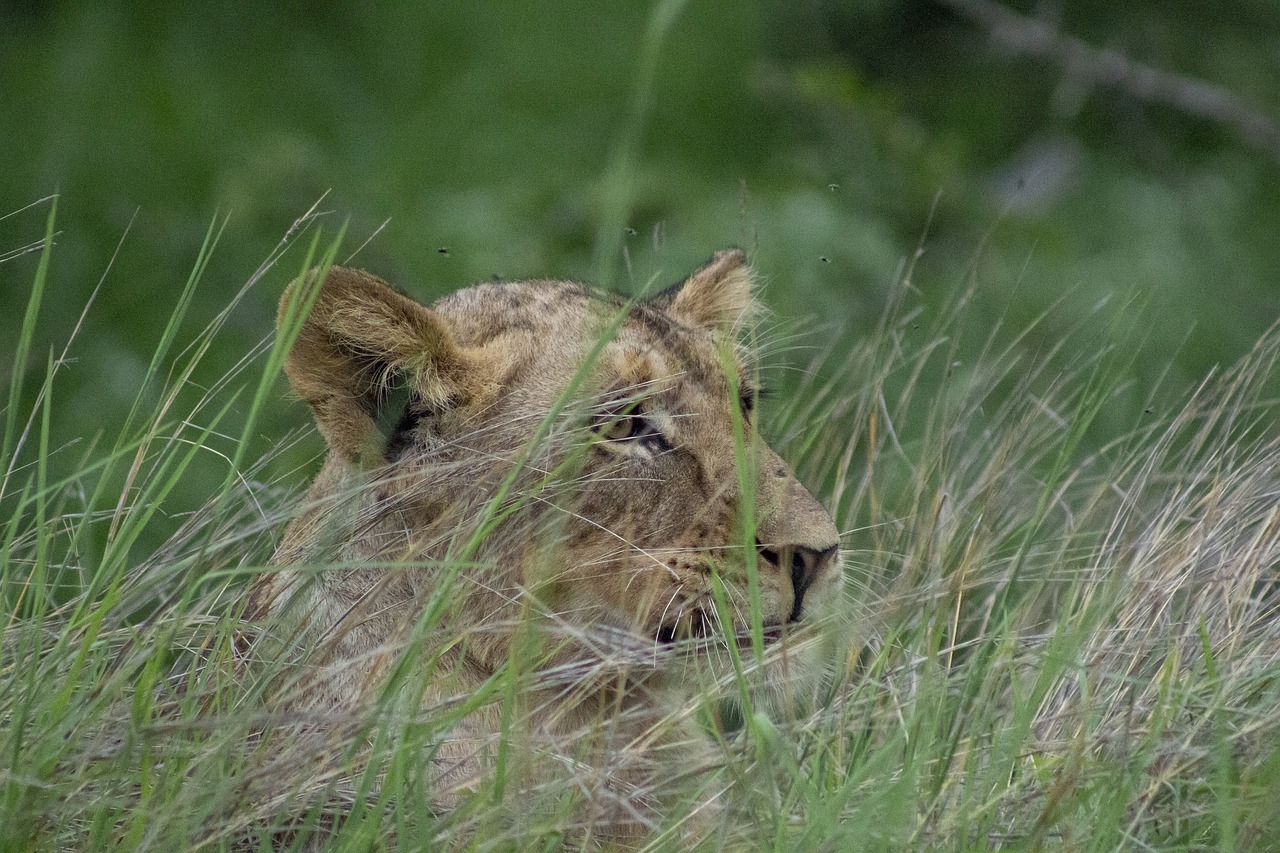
(1055, 638)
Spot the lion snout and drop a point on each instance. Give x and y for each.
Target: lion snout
(805, 566)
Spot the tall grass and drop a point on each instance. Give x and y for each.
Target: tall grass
(1062, 648)
(1053, 639)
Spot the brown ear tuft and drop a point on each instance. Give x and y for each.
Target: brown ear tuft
(359, 335)
(718, 295)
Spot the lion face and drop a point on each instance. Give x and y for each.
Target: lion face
(593, 457)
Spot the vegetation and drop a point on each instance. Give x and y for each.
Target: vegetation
(1046, 647)
(1060, 511)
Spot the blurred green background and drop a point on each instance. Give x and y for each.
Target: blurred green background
(524, 139)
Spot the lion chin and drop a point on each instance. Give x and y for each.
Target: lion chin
(540, 481)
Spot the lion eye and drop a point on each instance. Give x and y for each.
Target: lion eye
(624, 428)
(633, 428)
(749, 398)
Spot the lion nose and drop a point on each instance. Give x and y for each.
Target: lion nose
(806, 564)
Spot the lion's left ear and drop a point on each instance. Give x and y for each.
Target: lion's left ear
(718, 296)
(359, 335)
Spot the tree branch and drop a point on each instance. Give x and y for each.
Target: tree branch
(1106, 67)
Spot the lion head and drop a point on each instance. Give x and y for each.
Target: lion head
(544, 448)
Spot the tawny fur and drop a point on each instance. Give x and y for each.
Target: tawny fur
(603, 432)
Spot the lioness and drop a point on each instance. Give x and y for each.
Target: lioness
(579, 476)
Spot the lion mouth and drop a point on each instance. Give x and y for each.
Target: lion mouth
(772, 633)
(697, 625)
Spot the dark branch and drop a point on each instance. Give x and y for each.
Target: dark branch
(1107, 67)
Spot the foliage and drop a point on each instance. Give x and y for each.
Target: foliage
(1048, 646)
(829, 139)
(1063, 624)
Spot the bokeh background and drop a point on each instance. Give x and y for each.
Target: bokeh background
(621, 142)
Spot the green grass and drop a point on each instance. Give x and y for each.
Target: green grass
(1061, 628)
(1047, 646)
(525, 138)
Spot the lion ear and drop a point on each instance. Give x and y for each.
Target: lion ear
(359, 338)
(718, 296)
